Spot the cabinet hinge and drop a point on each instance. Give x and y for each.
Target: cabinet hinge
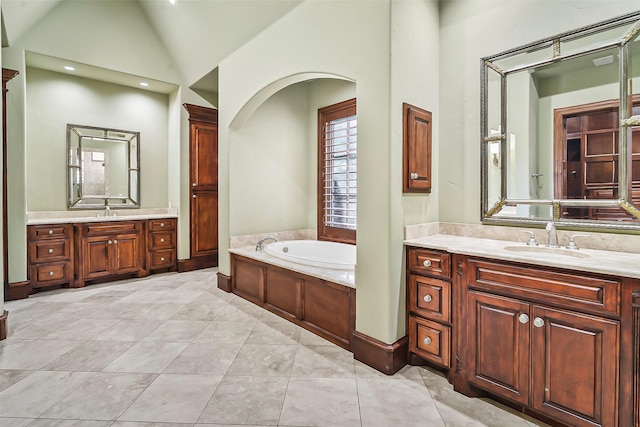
(458, 364)
(460, 268)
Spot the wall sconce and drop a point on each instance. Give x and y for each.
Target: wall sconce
(494, 149)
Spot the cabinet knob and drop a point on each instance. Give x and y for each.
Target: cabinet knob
(50, 251)
(523, 318)
(115, 241)
(193, 184)
(161, 258)
(110, 242)
(194, 196)
(427, 263)
(427, 298)
(162, 224)
(161, 240)
(427, 341)
(538, 322)
(414, 175)
(51, 273)
(50, 231)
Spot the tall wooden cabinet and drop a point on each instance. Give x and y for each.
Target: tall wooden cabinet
(203, 175)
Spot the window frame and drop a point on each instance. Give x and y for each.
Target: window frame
(326, 114)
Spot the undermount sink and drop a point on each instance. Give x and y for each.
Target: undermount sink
(547, 250)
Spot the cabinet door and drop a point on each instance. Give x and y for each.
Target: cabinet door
(126, 253)
(204, 223)
(575, 367)
(97, 260)
(204, 156)
(416, 150)
(499, 345)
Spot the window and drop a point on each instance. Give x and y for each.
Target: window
(337, 172)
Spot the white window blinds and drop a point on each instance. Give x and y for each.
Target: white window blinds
(339, 173)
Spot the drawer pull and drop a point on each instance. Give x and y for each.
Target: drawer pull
(427, 263)
(50, 250)
(538, 322)
(161, 258)
(427, 298)
(51, 273)
(50, 231)
(115, 241)
(110, 242)
(523, 318)
(162, 224)
(427, 341)
(161, 240)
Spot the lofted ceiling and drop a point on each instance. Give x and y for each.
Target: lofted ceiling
(198, 34)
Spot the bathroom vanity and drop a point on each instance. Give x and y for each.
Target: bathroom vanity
(553, 331)
(75, 252)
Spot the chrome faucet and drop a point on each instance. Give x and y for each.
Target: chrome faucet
(260, 245)
(551, 230)
(106, 210)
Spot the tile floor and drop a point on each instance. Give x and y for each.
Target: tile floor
(173, 350)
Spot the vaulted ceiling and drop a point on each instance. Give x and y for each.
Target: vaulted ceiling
(198, 34)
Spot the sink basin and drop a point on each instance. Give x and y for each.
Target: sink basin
(547, 250)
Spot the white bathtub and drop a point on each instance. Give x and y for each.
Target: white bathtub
(316, 253)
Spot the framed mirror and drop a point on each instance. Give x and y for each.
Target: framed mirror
(103, 168)
(560, 129)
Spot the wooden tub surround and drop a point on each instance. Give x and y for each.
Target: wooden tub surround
(561, 344)
(325, 308)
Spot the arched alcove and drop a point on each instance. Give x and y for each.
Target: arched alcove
(272, 154)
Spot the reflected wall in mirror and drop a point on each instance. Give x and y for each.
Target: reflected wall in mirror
(561, 129)
(102, 167)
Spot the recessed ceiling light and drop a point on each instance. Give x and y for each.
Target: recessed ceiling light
(145, 84)
(172, 1)
(69, 68)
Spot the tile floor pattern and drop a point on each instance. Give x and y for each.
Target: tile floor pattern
(173, 350)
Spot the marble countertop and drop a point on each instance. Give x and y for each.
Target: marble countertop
(625, 264)
(65, 217)
(345, 278)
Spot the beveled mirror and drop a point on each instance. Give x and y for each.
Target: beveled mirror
(103, 168)
(560, 129)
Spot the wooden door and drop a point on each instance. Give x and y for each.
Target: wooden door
(126, 253)
(204, 219)
(575, 367)
(97, 257)
(203, 174)
(499, 345)
(416, 149)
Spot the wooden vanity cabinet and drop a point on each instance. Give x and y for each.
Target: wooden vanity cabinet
(546, 339)
(429, 305)
(49, 249)
(106, 249)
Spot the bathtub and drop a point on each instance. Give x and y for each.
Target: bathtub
(315, 253)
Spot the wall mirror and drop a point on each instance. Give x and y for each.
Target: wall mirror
(103, 168)
(560, 129)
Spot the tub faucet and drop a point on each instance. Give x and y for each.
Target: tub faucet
(260, 245)
(106, 210)
(552, 242)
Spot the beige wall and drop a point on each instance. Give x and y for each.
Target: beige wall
(55, 99)
(470, 30)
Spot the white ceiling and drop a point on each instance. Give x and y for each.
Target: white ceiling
(198, 34)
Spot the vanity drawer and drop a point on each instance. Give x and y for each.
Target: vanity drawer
(52, 231)
(50, 274)
(563, 289)
(162, 224)
(430, 340)
(162, 240)
(430, 298)
(429, 262)
(115, 227)
(163, 259)
(48, 250)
